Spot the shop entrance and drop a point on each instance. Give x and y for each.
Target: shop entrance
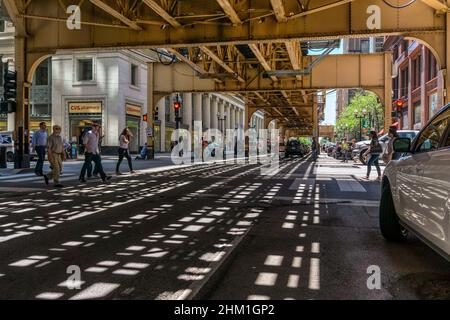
(78, 127)
(133, 124)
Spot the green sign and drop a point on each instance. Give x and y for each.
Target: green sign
(365, 123)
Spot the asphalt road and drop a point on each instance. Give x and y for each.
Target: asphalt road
(214, 231)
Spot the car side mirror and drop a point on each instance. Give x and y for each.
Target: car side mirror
(402, 145)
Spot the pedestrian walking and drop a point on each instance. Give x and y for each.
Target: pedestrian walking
(388, 153)
(374, 150)
(39, 143)
(56, 156)
(345, 150)
(94, 173)
(92, 153)
(124, 144)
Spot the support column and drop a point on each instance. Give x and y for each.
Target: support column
(21, 136)
(206, 111)
(228, 118)
(187, 110)
(150, 112)
(410, 105)
(162, 117)
(198, 101)
(387, 91)
(221, 111)
(214, 111)
(446, 74)
(232, 117)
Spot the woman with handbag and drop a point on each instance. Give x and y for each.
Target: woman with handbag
(374, 150)
(124, 143)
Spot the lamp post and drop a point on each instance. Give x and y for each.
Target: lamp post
(221, 119)
(360, 117)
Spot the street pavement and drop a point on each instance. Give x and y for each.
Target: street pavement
(208, 231)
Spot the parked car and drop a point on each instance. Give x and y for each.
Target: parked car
(6, 140)
(362, 146)
(294, 148)
(415, 191)
(329, 148)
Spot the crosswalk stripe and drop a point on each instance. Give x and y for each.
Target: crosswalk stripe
(350, 186)
(8, 177)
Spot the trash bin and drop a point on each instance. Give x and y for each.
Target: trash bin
(3, 158)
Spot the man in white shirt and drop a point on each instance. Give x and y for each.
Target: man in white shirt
(92, 153)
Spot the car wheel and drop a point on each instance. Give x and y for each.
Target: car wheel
(362, 158)
(389, 221)
(10, 157)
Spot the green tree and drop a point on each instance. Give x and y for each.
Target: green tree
(348, 125)
(305, 141)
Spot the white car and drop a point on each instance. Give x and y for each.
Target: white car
(415, 193)
(6, 140)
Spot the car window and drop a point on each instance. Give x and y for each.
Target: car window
(430, 138)
(409, 134)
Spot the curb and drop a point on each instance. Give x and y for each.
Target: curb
(199, 290)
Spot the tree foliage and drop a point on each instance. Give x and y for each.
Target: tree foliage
(348, 125)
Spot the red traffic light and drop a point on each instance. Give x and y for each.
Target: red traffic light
(176, 105)
(398, 103)
(145, 118)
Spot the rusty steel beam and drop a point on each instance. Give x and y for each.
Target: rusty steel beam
(278, 9)
(219, 61)
(105, 7)
(229, 11)
(162, 13)
(437, 5)
(319, 9)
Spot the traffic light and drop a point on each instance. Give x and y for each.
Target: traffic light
(144, 117)
(155, 114)
(10, 85)
(8, 105)
(177, 105)
(398, 105)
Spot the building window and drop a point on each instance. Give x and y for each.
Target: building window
(405, 120)
(417, 70)
(41, 75)
(432, 67)
(134, 75)
(395, 88)
(395, 53)
(40, 110)
(365, 46)
(85, 70)
(432, 105)
(404, 82)
(417, 112)
(405, 45)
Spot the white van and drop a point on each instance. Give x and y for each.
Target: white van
(6, 140)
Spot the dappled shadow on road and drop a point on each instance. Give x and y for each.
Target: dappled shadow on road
(132, 238)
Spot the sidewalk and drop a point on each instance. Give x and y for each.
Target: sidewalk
(161, 159)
